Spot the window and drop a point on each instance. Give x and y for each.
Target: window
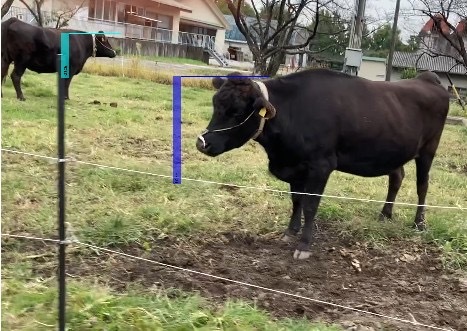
(99, 9)
(129, 9)
(102, 9)
(165, 21)
(107, 10)
(120, 12)
(113, 9)
(149, 22)
(92, 9)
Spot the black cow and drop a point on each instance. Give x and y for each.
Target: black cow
(36, 48)
(318, 121)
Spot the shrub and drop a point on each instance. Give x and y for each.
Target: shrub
(408, 73)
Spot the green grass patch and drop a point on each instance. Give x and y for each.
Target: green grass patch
(176, 60)
(95, 307)
(456, 110)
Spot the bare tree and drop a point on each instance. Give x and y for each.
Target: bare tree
(35, 8)
(6, 7)
(270, 33)
(444, 14)
(61, 18)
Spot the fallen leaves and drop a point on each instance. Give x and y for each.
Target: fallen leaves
(350, 256)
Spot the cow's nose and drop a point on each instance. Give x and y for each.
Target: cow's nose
(201, 144)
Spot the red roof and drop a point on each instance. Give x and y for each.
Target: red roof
(462, 26)
(430, 25)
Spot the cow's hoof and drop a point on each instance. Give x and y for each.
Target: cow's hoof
(301, 255)
(287, 238)
(22, 99)
(420, 226)
(384, 217)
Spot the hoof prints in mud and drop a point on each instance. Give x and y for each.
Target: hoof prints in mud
(403, 280)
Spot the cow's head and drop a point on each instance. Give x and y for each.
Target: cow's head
(103, 47)
(240, 109)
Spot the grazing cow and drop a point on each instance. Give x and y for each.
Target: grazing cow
(313, 122)
(36, 48)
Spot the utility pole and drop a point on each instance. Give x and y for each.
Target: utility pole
(393, 42)
(353, 53)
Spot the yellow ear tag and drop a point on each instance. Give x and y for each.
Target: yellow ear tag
(262, 112)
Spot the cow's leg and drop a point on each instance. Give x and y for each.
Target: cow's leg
(67, 87)
(18, 71)
(315, 185)
(296, 218)
(423, 163)
(395, 182)
(5, 67)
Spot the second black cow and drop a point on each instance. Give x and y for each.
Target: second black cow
(36, 48)
(314, 122)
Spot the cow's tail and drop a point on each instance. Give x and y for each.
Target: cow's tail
(4, 51)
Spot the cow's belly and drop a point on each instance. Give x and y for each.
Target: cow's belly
(375, 164)
(42, 64)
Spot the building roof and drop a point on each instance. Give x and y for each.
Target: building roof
(430, 26)
(218, 20)
(461, 28)
(426, 62)
(173, 3)
(233, 33)
(374, 59)
(218, 13)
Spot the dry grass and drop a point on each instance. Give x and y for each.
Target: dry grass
(136, 70)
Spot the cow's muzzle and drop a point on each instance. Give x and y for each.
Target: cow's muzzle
(201, 143)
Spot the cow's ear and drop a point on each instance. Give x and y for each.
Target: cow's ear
(265, 108)
(217, 82)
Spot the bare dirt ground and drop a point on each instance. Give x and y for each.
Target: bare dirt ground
(404, 280)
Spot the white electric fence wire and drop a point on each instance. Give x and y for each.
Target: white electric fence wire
(233, 281)
(236, 185)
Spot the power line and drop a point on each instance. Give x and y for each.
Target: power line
(237, 185)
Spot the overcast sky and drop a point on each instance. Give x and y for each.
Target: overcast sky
(383, 10)
(408, 24)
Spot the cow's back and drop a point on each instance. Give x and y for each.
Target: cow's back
(372, 126)
(33, 47)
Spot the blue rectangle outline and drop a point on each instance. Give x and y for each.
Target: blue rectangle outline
(177, 129)
(177, 121)
(65, 55)
(65, 50)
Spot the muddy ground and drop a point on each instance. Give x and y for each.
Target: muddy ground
(404, 280)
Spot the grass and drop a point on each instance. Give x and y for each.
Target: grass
(456, 109)
(175, 60)
(135, 69)
(108, 207)
(92, 307)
